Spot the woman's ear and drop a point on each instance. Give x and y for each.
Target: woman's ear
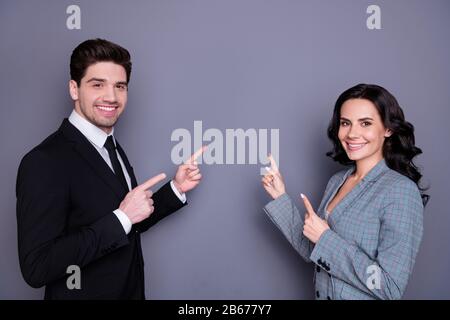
(388, 133)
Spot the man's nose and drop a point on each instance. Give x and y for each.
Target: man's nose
(110, 94)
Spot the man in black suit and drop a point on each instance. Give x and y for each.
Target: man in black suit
(78, 202)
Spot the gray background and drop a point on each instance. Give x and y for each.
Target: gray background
(232, 64)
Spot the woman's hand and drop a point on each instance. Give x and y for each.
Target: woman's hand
(273, 182)
(314, 226)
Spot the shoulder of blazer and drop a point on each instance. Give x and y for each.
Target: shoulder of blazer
(52, 147)
(394, 183)
(48, 159)
(393, 177)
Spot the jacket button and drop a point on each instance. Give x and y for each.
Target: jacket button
(317, 269)
(317, 294)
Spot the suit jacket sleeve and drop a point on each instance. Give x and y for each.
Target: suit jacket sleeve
(165, 202)
(46, 248)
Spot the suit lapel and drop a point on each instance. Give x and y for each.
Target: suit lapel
(88, 152)
(127, 165)
(373, 175)
(349, 198)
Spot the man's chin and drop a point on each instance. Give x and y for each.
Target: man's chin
(107, 124)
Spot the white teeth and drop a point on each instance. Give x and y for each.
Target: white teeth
(106, 108)
(355, 145)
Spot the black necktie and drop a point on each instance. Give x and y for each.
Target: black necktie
(109, 145)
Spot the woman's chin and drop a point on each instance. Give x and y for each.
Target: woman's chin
(353, 157)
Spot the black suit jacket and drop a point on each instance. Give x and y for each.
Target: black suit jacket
(66, 194)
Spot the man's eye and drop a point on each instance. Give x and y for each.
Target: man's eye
(97, 85)
(121, 86)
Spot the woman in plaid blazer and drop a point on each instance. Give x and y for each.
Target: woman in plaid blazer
(366, 233)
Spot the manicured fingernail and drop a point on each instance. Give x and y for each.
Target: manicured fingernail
(302, 195)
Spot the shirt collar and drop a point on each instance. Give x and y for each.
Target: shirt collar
(93, 133)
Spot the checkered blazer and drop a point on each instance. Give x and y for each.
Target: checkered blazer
(374, 236)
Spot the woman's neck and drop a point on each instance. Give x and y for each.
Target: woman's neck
(364, 166)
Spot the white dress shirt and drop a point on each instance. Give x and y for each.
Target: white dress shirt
(97, 138)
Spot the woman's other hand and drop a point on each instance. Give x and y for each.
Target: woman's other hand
(273, 182)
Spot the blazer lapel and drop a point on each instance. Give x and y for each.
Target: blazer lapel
(88, 152)
(127, 165)
(373, 175)
(346, 201)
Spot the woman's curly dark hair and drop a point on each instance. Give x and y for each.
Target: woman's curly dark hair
(399, 149)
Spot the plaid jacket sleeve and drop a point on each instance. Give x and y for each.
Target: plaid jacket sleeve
(285, 215)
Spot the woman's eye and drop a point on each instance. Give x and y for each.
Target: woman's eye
(344, 123)
(366, 124)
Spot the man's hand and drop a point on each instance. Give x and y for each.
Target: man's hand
(188, 175)
(138, 203)
(314, 226)
(273, 182)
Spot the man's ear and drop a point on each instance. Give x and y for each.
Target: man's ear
(73, 89)
(388, 133)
